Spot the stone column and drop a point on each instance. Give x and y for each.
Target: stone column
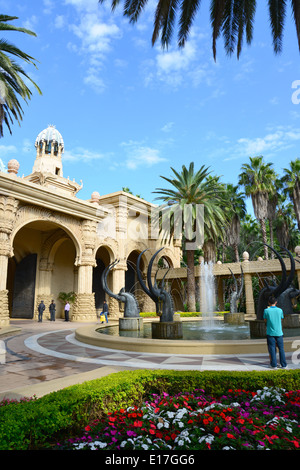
(84, 306)
(8, 208)
(250, 305)
(44, 288)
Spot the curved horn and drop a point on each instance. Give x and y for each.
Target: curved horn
(163, 279)
(149, 272)
(104, 279)
(292, 272)
(280, 288)
(139, 275)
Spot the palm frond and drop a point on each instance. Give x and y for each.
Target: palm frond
(277, 10)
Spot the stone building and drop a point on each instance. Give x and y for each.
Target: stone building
(52, 241)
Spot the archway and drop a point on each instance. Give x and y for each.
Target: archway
(103, 259)
(41, 267)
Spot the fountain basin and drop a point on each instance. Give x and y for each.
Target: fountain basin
(166, 330)
(90, 335)
(237, 318)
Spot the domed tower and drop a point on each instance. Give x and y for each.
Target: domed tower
(49, 146)
(47, 169)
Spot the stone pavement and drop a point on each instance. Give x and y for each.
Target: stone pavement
(38, 358)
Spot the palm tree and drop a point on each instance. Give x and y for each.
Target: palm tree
(12, 84)
(291, 180)
(193, 190)
(258, 180)
(233, 19)
(237, 212)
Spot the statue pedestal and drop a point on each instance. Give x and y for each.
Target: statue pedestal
(130, 324)
(177, 317)
(258, 328)
(167, 330)
(237, 318)
(291, 321)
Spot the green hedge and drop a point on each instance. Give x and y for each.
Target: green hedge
(38, 423)
(182, 314)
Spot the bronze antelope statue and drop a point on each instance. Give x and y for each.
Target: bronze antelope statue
(131, 308)
(283, 292)
(163, 299)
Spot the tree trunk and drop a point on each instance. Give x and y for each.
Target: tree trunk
(271, 237)
(264, 236)
(236, 251)
(191, 285)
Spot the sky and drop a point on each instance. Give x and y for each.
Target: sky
(129, 111)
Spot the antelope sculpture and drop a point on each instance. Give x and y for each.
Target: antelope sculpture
(131, 308)
(235, 296)
(162, 298)
(280, 291)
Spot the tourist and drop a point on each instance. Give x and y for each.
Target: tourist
(52, 311)
(273, 316)
(105, 311)
(41, 309)
(67, 310)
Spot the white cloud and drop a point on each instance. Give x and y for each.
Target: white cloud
(168, 127)
(141, 155)
(83, 155)
(59, 21)
(280, 139)
(96, 38)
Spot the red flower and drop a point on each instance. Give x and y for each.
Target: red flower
(87, 428)
(190, 421)
(230, 436)
(217, 429)
(138, 424)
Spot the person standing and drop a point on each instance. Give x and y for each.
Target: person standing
(52, 311)
(273, 316)
(67, 310)
(105, 310)
(41, 309)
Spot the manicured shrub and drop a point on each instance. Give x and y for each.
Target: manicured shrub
(37, 423)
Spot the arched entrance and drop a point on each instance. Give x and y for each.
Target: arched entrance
(43, 265)
(103, 259)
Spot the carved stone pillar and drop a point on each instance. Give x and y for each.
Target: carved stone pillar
(8, 208)
(84, 305)
(44, 287)
(118, 282)
(250, 305)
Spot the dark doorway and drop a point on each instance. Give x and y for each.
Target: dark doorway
(97, 285)
(24, 287)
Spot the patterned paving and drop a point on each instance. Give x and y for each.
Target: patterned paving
(63, 345)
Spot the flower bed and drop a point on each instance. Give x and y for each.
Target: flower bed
(241, 420)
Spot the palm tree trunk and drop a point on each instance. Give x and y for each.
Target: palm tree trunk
(264, 236)
(271, 237)
(191, 285)
(236, 251)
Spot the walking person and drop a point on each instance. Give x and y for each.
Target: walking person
(67, 310)
(52, 309)
(41, 309)
(105, 311)
(273, 316)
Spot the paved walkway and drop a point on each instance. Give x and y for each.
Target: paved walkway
(44, 357)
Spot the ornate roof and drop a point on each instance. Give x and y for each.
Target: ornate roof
(48, 135)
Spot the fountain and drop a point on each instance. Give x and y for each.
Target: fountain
(207, 298)
(199, 336)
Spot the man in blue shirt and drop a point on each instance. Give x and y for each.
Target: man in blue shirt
(273, 316)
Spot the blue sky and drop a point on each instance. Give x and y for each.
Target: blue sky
(128, 111)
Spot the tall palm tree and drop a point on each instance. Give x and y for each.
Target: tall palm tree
(237, 212)
(258, 180)
(12, 85)
(234, 19)
(291, 181)
(193, 190)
